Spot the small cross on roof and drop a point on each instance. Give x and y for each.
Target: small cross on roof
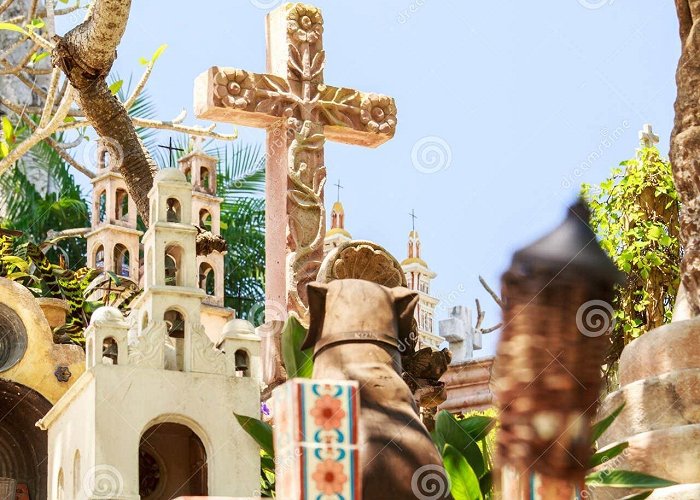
(170, 149)
(647, 137)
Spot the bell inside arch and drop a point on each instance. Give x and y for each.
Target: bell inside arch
(242, 363)
(176, 324)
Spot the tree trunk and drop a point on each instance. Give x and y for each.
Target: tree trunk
(685, 146)
(86, 54)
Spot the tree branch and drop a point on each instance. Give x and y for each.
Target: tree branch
(493, 294)
(198, 131)
(38, 135)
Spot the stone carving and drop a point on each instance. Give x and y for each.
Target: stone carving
(685, 146)
(300, 111)
(461, 335)
(149, 349)
(62, 374)
(205, 357)
(361, 342)
(362, 260)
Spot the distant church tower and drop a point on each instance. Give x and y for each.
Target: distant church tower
(200, 170)
(418, 277)
(337, 234)
(113, 242)
(157, 419)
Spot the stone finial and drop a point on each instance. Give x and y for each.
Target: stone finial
(106, 339)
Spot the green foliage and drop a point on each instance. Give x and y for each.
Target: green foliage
(260, 431)
(635, 215)
(465, 444)
(626, 479)
(615, 478)
(28, 265)
(464, 482)
(40, 195)
(298, 363)
(241, 183)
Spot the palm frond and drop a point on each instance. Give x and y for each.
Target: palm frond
(241, 171)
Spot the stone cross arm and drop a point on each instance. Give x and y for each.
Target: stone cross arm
(262, 100)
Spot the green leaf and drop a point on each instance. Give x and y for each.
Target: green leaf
(38, 56)
(626, 479)
(37, 24)
(8, 130)
(607, 453)
(477, 426)
(267, 463)
(114, 277)
(298, 363)
(464, 483)
(116, 86)
(159, 51)
(4, 149)
(486, 483)
(654, 233)
(12, 27)
(258, 430)
(600, 427)
(453, 434)
(143, 61)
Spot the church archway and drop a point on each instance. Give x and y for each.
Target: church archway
(23, 446)
(172, 463)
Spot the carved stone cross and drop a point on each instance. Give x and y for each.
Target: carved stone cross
(299, 112)
(647, 137)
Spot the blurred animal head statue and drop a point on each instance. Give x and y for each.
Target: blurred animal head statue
(356, 330)
(358, 311)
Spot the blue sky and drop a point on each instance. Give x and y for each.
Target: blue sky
(526, 100)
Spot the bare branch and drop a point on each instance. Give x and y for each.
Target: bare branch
(32, 10)
(493, 294)
(139, 86)
(39, 134)
(50, 15)
(46, 44)
(51, 96)
(5, 5)
(479, 315)
(45, 13)
(11, 70)
(9, 50)
(492, 329)
(70, 159)
(54, 237)
(198, 131)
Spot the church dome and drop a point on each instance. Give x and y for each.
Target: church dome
(106, 314)
(237, 327)
(170, 174)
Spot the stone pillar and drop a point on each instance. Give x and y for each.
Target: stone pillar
(660, 386)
